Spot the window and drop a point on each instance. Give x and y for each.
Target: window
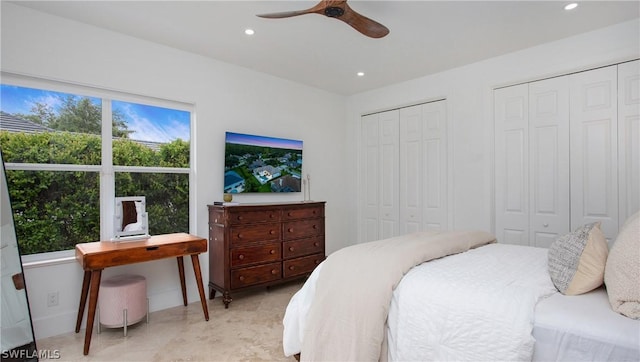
(65, 164)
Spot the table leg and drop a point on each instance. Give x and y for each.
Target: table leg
(83, 298)
(93, 301)
(183, 285)
(196, 270)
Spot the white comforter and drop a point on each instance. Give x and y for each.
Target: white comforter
(477, 305)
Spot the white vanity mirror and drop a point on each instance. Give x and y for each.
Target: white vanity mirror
(130, 218)
(16, 330)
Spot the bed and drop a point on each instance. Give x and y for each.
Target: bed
(468, 297)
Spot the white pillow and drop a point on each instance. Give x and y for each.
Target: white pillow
(622, 273)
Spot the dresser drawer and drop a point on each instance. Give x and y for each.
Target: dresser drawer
(248, 217)
(303, 213)
(301, 247)
(303, 228)
(248, 255)
(299, 266)
(245, 277)
(244, 234)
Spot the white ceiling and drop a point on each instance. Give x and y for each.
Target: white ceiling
(426, 36)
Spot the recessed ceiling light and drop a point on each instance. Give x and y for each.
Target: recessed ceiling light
(249, 31)
(360, 74)
(571, 6)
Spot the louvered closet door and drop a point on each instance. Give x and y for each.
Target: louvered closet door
(594, 145)
(629, 138)
(548, 160)
(511, 107)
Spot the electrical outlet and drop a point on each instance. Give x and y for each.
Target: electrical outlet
(52, 299)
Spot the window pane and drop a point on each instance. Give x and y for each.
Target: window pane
(167, 198)
(54, 211)
(150, 136)
(41, 126)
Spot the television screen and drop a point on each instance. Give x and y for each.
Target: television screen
(261, 164)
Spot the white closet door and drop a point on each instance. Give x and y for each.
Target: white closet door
(423, 167)
(388, 174)
(512, 164)
(594, 145)
(629, 138)
(370, 185)
(549, 160)
(434, 166)
(411, 169)
(380, 175)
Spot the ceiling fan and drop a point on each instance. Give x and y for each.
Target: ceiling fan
(338, 9)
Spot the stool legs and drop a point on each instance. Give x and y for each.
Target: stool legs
(124, 318)
(99, 326)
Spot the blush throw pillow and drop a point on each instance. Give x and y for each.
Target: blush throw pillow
(622, 273)
(577, 260)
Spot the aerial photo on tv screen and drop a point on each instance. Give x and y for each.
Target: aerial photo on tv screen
(261, 164)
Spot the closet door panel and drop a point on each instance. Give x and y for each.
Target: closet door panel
(511, 151)
(388, 174)
(411, 175)
(370, 177)
(549, 160)
(594, 145)
(434, 168)
(629, 138)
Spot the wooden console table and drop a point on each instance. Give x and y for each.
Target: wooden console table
(94, 257)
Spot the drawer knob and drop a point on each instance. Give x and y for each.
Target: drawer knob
(272, 232)
(274, 272)
(272, 216)
(292, 267)
(316, 244)
(290, 230)
(215, 220)
(314, 212)
(241, 278)
(289, 213)
(272, 251)
(240, 217)
(241, 256)
(291, 248)
(240, 236)
(315, 226)
(317, 261)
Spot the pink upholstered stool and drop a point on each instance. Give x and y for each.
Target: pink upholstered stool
(122, 301)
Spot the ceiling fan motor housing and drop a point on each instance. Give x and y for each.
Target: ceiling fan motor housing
(334, 12)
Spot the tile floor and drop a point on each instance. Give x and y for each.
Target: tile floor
(250, 330)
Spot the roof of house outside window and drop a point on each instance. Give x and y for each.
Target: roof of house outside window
(12, 123)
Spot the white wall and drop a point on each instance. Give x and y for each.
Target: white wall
(469, 93)
(226, 98)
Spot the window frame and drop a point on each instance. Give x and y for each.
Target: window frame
(106, 170)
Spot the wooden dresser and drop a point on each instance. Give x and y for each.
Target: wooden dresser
(258, 245)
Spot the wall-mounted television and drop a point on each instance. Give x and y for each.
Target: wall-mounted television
(261, 164)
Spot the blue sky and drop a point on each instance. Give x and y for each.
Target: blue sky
(149, 123)
(247, 139)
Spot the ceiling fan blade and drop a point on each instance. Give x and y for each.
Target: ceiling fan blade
(284, 14)
(361, 23)
(318, 9)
